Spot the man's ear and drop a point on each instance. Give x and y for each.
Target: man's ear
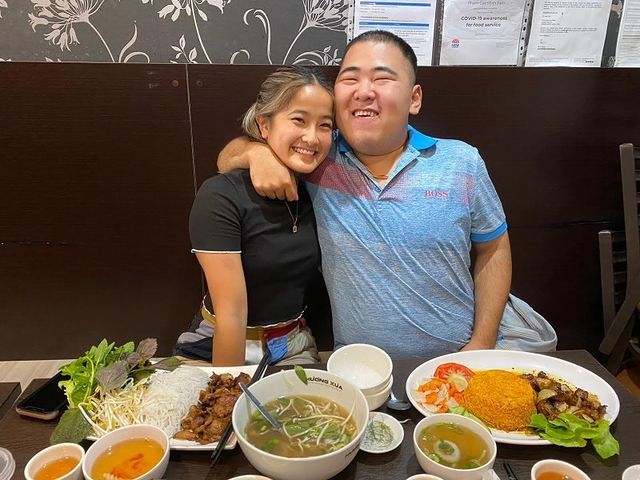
(263, 125)
(416, 100)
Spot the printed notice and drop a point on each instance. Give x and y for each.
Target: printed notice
(412, 20)
(567, 33)
(481, 32)
(628, 46)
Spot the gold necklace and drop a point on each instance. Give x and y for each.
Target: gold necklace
(294, 227)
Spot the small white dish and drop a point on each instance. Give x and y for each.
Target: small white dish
(53, 453)
(488, 475)
(382, 434)
(631, 473)
(250, 477)
(557, 466)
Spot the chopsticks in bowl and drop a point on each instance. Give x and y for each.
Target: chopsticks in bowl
(259, 373)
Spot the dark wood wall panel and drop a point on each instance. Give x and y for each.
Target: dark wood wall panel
(550, 141)
(96, 179)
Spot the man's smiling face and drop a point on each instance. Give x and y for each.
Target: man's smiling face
(375, 93)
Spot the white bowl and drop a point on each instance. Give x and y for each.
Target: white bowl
(126, 433)
(376, 400)
(557, 466)
(366, 366)
(250, 477)
(631, 473)
(424, 476)
(380, 388)
(55, 452)
(435, 468)
(319, 384)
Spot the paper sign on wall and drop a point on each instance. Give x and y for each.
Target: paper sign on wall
(568, 33)
(412, 20)
(481, 32)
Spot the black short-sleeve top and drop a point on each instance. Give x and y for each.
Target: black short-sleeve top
(229, 216)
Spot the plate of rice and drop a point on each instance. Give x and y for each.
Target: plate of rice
(164, 400)
(501, 397)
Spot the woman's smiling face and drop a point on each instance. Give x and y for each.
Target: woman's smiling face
(300, 134)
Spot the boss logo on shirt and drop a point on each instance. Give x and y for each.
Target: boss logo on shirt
(436, 194)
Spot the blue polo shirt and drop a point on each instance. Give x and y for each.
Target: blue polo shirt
(396, 257)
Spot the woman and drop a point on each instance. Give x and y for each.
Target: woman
(260, 255)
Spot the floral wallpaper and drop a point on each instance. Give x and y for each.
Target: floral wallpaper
(311, 32)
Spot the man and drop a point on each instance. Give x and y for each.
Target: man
(398, 213)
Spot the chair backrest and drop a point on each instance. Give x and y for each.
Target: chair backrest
(620, 267)
(613, 273)
(630, 171)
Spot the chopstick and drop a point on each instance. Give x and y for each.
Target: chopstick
(259, 373)
(511, 475)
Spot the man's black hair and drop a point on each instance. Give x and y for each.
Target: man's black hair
(383, 36)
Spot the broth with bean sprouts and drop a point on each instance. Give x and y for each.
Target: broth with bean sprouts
(311, 426)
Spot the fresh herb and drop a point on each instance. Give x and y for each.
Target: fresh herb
(378, 434)
(568, 430)
(445, 447)
(434, 457)
(72, 427)
(109, 367)
(302, 375)
(270, 444)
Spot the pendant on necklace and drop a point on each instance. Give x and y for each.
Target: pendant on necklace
(294, 229)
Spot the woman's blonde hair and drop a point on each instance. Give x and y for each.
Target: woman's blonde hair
(276, 92)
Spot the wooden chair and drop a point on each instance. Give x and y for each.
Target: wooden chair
(621, 286)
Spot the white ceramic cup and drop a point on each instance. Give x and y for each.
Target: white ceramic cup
(55, 452)
(126, 433)
(557, 466)
(448, 473)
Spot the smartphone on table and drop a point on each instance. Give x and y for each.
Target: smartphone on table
(45, 403)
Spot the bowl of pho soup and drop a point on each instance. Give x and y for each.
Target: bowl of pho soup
(135, 451)
(322, 421)
(454, 447)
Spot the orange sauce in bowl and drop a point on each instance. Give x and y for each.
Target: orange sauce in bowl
(56, 469)
(553, 476)
(128, 459)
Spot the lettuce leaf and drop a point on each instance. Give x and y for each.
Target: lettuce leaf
(568, 430)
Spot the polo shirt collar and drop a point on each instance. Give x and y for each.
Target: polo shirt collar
(417, 140)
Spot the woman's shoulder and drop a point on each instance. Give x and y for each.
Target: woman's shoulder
(225, 182)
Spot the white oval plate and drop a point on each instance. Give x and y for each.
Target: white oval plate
(573, 374)
(195, 446)
(396, 429)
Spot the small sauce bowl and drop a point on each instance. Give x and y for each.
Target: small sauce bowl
(559, 467)
(53, 453)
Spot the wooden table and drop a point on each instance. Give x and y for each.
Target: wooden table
(9, 392)
(24, 437)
